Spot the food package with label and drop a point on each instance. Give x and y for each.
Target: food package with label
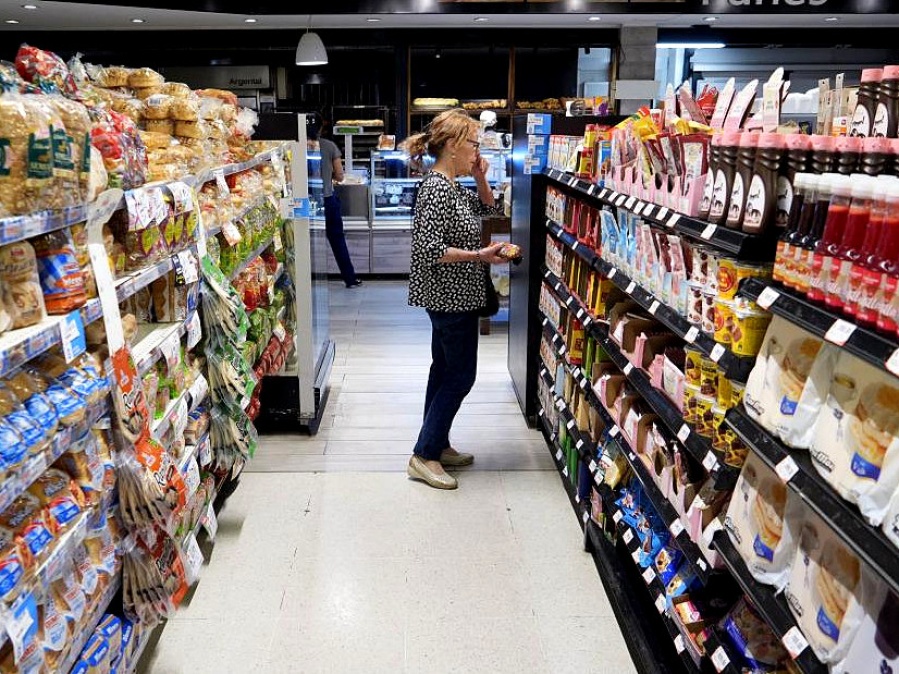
(172, 302)
(23, 299)
(61, 498)
(855, 445)
(874, 648)
(787, 387)
(26, 519)
(753, 640)
(821, 591)
(36, 433)
(124, 155)
(15, 562)
(83, 463)
(37, 391)
(61, 278)
(761, 522)
(54, 628)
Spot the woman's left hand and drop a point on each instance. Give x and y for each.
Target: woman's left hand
(480, 168)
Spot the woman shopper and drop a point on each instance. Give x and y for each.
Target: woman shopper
(447, 279)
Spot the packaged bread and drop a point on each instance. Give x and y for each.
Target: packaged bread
(160, 126)
(14, 564)
(26, 519)
(157, 106)
(753, 639)
(874, 648)
(26, 183)
(55, 631)
(185, 110)
(143, 93)
(75, 609)
(60, 497)
(821, 591)
(83, 464)
(33, 388)
(21, 288)
(221, 94)
(112, 77)
(132, 108)
(191, 129)
(157, 141)
(756, 522)
(77, 127)
(855, 445)
(786, 389)
(97, 655)
(34, 436)
(176, 89)
(30, 392)
(60, 275)
(145, 77)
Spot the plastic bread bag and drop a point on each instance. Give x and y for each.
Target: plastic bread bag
(62, 143)
(14, 564)
(60, 497)
(753, 639)
(855, 445)
(45, 68)
(22, 295)
(59, 184)
(70, 407)
(82, 462)
(874, 648)
(30, 391)
(35, 437)
(55, 631)
(26, 519)
(185, 109)
(158, 106)
(75, 601)
(787, 386)
(823, 588)
(60, 274)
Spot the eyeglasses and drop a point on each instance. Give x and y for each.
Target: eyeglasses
(476, 144)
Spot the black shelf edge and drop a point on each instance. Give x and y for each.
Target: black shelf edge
(771, 607)
(662, 505)
(864, 344)
(729, 241)
(699, 447)
(867, 542)
(735, 367)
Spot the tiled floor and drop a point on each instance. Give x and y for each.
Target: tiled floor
(329, 560)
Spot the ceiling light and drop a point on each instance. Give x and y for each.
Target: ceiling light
(831, 19)
(710, 19)
(311, 50)
(11, 21)
(690, 45)
(137, 21)
(373, 19)
(250, 20)
(29, 6)
(594, 18)
(481, 19)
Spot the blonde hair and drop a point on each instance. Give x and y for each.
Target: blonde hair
(453, 124)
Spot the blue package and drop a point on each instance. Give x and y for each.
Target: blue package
(667, 562)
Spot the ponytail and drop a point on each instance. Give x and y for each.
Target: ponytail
(450, 125)
(416, 147)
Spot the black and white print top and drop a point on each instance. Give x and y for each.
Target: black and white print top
(446, 215)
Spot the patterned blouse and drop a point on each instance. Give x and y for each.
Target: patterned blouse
(447, 215)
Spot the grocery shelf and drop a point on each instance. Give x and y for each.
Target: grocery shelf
(17, 347)
(20, 227)
(132, 283)
(229, 169)
(729, 241)
(77, 645)
(735, 367)
(252, 256)
(152, 336)
(771, 606)
(699, 447)
(188, 400)
(867, 542)
(880, 351)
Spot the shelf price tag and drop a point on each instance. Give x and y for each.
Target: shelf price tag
(569, 301)
(557, 286)
(654, 307)
(635, 555)
(647, 211)
(683, 433)
(717, 353)
(570, 424)
(194, 330)
(649, 575)
(193, 559)
(663, 213)
(191, 476)
(767, 297)
(171, 350)
(585, 517)
(676, 528)
(204, 451)
(593, 466)
(629, 204)
(580, 443)
(574, 246)
(840, 332)
(210, 522)
(74, 342)
(628, 536)
(602, 195)
(621, 199)
(597, 478)
(614, 432)
(707, 233)
(702, 565)
(720, 659)
(565, 471)
(673, 220)
(617, 517)
(591, 190)
(558, 455)
(691, 335)
(628, 369)
(892, 363)
(580, 313)
(786, 469)
(612, 273)
(679, 644)
(660, 603)
(795, 642)
(710, 462)
(638, 209)
(631, 287)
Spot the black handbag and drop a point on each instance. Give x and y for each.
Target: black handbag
(491, 308)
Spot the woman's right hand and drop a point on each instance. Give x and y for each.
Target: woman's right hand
(490, 254)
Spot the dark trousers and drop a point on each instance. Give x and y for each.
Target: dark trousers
(454, 355)
(337, 239)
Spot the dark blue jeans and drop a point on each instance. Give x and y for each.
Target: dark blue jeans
(454, 366)
(337, 239)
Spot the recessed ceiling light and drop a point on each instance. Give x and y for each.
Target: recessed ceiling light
(831, 19)
(594, 18)
(373, 19)
(249, 20)
(710, 19)
(11, 21)
(481, 19)
(137, 21)
(29, 6)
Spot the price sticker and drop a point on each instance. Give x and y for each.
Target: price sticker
(840, 332)
(569, 301)
(580, 444)
(583, 384)
(617, 517)
(557, 286)
(171, 350)
(710, 462)
(635, 555)
(565, 471)
(562, 350)
(575, 245)
(552, 438)
(647, 212)
(676, 528)
(663, 213)
(717, 353)
(702, 565)
(193, 558)
(587, 321)
(204, 451)
(540, 413)
(631, 287)
(892, 363)
(720, 659)
(210, 522)
(72, 336)
(547, 274)
(558, 455)
(632, 457)
(585, 516)
(628, 369)
(691, 335)
(673, 220)
(570, 424)
(593, 466)
(654, 307)
(707, 233)
(679, 644)
(767, 297)
(795, 642)
(786, 469)
(591, 190)
(614, 432)
(603, 194)
(628, 536)
(580, 313)
(660, 603)
(629, 204)
(649, 575)
(612, 273)
(683, 433)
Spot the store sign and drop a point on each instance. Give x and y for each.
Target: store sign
(234, 78)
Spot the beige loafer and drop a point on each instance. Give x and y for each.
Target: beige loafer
(456, 460)
(418, 470)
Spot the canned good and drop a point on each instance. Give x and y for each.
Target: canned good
(749, 327)
(692, 366)
(691, 409)
(694, 302)
(708, 383)
(725, 391)
(708, 313)
(705, 421)
(731, 272)
(736, 393)
(719, 430)
(724, 319)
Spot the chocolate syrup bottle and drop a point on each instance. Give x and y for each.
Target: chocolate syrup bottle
(724, 177)
(876, 155)
(823, 154)
(740, 189)
(795, 160)
(761, 199)
(848, 150)
(886, 114)
(865, 109)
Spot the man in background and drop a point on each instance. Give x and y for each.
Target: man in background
(332, 172)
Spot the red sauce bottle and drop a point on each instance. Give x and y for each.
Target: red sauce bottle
(831, 237)
(801, 190)
(864, 279)
(888, 305)
(849, 252)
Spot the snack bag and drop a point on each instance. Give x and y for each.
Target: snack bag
(822, 589)
(756, 522)
(855, 445)
(787, 386)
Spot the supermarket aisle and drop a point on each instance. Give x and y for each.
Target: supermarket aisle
(329, 560)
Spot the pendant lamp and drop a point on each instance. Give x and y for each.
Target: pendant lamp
(311, 50)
